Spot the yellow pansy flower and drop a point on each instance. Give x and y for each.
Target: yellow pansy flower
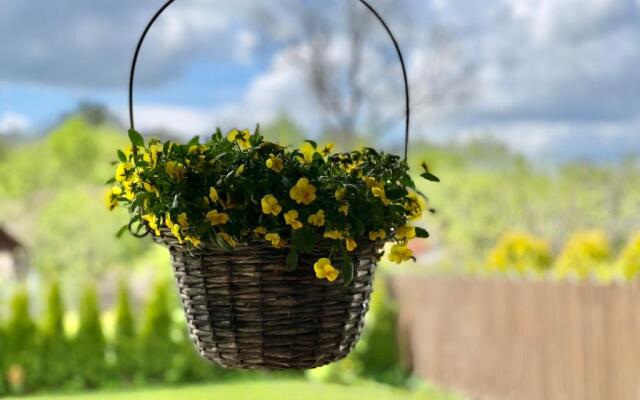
(175, 170)
(242, 138)
(333, 234)
(240, 170)
(327, 149)
(151, 189)
(303, 192)
(213, 195)
(405, 233)
(274, 163)
(111, 197)
(195, 242)
(121, 171)
(275, 240)
(340, 193)
(414, 205)
(324, 270)
(151, 156)
(174, 228)
(317, 219)
(291, 218)
(230, 240)
(344, 209)
(270, 205)
(351, 244)
(152, 222)
(400, 253)
(216, 218)
(308, 152)
(377, 235)
(183, 221)
(261, 231)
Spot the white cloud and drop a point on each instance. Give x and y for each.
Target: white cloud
(13, 123)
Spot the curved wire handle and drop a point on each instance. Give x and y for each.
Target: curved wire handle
(364, 2)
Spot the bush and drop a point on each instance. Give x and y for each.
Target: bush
(3, 350)
(22, 353)
(54, 341)
(629, 261)
(585, 255)
(89, 343)
(157, 348)
(125, 344)
(519, 253)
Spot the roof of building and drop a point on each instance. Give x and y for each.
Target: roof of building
(8, 242)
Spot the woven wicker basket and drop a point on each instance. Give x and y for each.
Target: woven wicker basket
(245, 311)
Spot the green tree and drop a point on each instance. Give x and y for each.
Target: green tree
(125, 345)
(89, 343)
(23, 361)
(157, 349)
(3, 354)
(54, 341)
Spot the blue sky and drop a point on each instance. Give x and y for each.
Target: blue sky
(554, 79)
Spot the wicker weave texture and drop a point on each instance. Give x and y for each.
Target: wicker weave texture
(245, 311)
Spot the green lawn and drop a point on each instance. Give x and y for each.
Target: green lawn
(278, 390)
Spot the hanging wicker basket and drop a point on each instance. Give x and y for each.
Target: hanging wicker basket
(245, 310)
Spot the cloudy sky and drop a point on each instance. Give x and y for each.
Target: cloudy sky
(552, 78)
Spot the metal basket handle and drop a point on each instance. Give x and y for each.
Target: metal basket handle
(365, 3)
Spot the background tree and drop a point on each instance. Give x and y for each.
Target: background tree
(55, 346)
(89, 343)
(125, 345)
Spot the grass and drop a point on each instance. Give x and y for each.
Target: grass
(261, 390)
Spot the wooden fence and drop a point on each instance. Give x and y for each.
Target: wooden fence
(500, 339)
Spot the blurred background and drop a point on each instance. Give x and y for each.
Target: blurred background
(528, 111)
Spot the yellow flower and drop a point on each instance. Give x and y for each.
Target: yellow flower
(377, 235)
(231, 241)
(377, 189)
(261, 231)
(175, 170)
(121, 171)
(324, 270)
(270, 205)
(240, 170)
(183, 221)
(242, 138)
(340, 193)
(274, 163)
(333, 234)
(275, 240)
(405, 232)
(327, 149)
(195, 242)
(303, 192)
(344, 209)
(152, 222)
(213, 195)
(216, 218)
(400, 253)
(111, 197)
(151, 156)
(205, 201)
(308, 152)
(351, 244)
(174, 228)
(291, 218)
(414, 205)
(317, 219)
(151, 189)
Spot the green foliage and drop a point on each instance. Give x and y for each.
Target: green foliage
(585, 255)
(55, 345)
(629, 261)
(157, 348)
(22, 352)
(519, 253)
(125, 346)
(89, 343)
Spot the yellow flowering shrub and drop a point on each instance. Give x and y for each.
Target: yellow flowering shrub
(521, 253)
(629, 261)
(586, 254)
(237, 189)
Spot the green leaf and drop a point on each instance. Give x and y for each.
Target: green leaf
(347, 268)
(312, 143)
(430, 177)
(122, 230)
(194, 141)
(122, 156)
(422, 233)
(110, 181)
(292, 261)
(136, 138)
(304, 240)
